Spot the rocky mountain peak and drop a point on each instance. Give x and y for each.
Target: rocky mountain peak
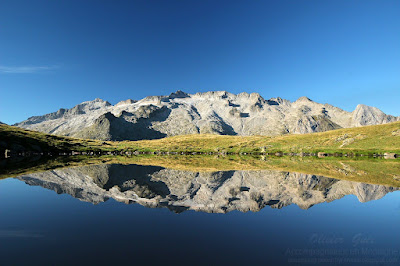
(214, 94)
(368, 115)
(178, 94)
(364, 108)
(255, 95)
(128, 101)
(213, 112)
(279, 101)
(304, 99)
(97, 102)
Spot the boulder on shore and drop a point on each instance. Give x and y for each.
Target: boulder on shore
(390, 155)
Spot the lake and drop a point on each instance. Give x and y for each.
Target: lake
(123, 214)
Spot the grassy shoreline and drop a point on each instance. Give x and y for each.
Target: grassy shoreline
(371, 171)
(361, 140)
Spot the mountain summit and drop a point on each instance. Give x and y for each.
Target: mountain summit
(213, 112)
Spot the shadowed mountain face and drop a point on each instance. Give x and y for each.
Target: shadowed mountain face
(217, 112)
(213, 192)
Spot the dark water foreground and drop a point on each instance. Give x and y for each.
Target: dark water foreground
(132, 214)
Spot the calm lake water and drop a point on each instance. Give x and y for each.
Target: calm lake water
(133, 214)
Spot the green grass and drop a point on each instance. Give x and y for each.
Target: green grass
(372, 171)
(367, 140)
(15, 138)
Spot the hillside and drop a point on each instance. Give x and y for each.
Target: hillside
(19, 140)
(368, 139)
(214, 112)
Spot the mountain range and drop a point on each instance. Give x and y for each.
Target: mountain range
(213, 192)
(214, 112)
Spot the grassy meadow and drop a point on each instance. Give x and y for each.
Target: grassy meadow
(368, 139)
(372, 171)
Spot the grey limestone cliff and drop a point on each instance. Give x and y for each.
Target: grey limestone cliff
(215, 112)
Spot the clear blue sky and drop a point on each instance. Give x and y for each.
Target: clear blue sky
(57, 54)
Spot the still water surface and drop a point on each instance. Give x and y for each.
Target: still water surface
(132, 214)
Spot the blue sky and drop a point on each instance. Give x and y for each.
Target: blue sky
(57, 54)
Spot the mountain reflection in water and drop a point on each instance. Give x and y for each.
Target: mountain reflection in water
(213, 192)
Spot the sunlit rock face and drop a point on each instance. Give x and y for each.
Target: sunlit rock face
(213, 192)
(215, 112)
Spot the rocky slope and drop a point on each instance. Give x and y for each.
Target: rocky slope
(216, 112)
(214, 192)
